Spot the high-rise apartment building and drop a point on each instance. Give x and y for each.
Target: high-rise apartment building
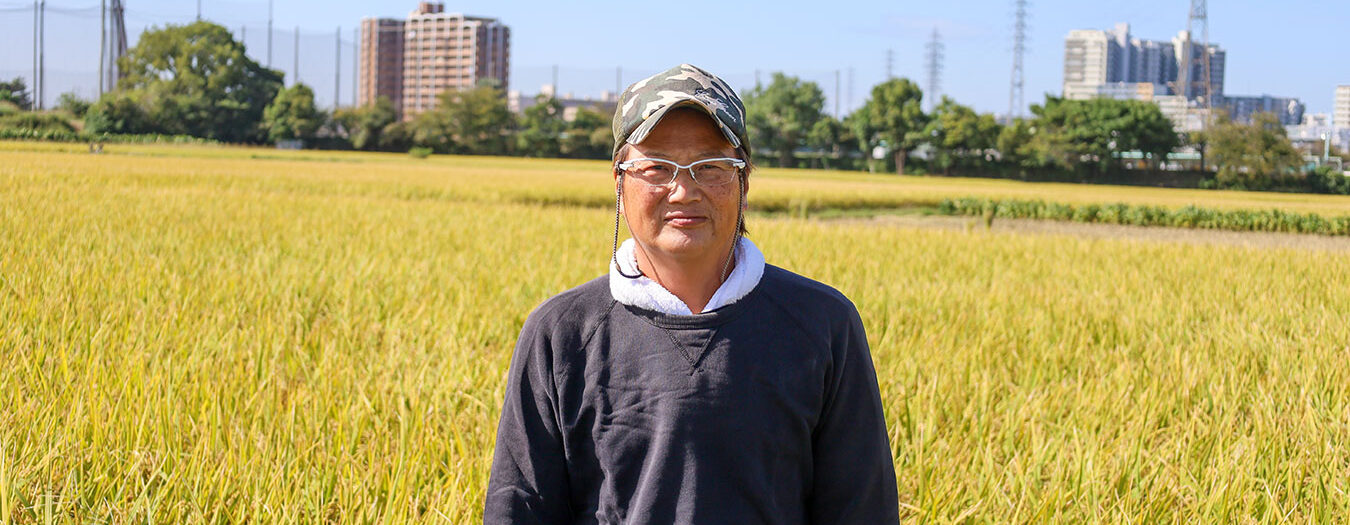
(381, 63)
(1288, 110)
(1340, 113)
(1086, 63)
(437, 52)
(1094, 59)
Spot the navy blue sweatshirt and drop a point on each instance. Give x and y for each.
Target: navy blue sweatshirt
(764, 411)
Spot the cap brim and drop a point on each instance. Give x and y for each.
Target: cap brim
(640, 134)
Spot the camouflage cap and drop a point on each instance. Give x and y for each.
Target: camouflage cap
(644, 103)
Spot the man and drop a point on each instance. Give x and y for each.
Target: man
(694, 384)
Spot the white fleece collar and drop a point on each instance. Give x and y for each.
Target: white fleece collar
(647, 294)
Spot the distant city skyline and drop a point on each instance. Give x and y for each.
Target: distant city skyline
(1292, 51)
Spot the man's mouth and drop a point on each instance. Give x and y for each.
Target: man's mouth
(684, 219)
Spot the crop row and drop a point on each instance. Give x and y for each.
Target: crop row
(1272, 220)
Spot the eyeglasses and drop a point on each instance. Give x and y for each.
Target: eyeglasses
(661, 173)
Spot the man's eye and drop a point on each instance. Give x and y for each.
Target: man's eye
(656, 169)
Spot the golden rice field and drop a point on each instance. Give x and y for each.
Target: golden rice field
(217, 334)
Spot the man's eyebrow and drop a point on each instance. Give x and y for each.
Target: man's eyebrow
(704, 153)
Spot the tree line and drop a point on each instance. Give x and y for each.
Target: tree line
(196, 80)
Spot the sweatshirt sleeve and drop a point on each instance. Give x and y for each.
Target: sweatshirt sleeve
(528, 483)
(854, 475)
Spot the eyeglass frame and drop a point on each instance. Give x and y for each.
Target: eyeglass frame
(739, 164)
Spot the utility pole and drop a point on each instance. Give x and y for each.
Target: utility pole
(37, 22)
(890, 64)
(269, 33)
(1015, 95)
(117, 41)
(42, 58)
(296, 51)
(102, 43)
(337, 68)
(356, 64)
(934, 63)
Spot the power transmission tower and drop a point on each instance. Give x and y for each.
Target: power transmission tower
(850, 89)
(1015, 100)
(837, 84)
(933, 61)
(890, 64)
(1198, 16)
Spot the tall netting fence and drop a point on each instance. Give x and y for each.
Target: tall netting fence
(324, 58)
(65, 57)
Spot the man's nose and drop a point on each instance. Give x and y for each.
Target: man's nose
(683, 187)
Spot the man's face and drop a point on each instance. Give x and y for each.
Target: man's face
(685, 220)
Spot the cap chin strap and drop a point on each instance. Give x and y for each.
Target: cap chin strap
(740, 222)
(614, 249)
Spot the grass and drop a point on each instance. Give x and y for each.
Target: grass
(189, 334)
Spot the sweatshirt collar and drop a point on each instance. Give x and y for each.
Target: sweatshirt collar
(647, 294)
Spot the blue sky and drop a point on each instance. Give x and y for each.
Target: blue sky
(1290, 48)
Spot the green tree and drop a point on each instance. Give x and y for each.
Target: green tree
(780, 117)
(365, 125)
(833, 139)
(195, 80)
(1252, 156)
(16, 92)
(541, 129)
(959, 136)
(292, 115)
(1077, 133)
(474, 122)
(73, 104)
(588, 136)
(893, 116)
(119, 113)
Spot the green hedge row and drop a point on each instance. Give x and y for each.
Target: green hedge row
(53, 135)
(1120, 213)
